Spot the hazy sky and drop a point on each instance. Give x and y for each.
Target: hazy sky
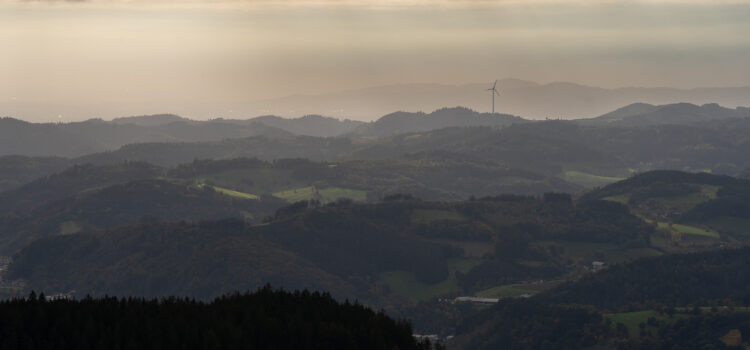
(107, 58)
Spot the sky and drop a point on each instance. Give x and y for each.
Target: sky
(202, 58)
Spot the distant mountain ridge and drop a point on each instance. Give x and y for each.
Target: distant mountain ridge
(76, 139)
(150, 120)
(641, 114)
(527, 99)
(18, 137)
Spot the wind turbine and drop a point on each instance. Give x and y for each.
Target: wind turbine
(494, 92)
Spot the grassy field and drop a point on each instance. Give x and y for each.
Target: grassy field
(431, 215)
(632, 320)
(587, 180)
(235, 194)
(620, 198)
(688, 230)
(70, 227)
(261, 180)
(406, 285)
(687, 202)
(509, 291)
(329, 194)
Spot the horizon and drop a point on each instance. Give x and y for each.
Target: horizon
(60, 119)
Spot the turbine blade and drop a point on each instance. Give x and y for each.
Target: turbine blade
(495, 84)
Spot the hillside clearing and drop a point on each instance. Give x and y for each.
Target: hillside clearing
(324, 195)
(235, 194)
(688, 230)
(508, 291)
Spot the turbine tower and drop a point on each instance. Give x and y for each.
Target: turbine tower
(494, 92)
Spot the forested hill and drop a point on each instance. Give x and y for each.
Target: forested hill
(718, 278)
(88, 197)
(658, 178)
(266, 319)
(404, 122)
(367, 251)
(690, 208)
(17, 170)
(677, 301)
(18, 137)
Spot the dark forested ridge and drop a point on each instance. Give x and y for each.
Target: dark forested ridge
(680, 279)
(266, 319)
(525, 324)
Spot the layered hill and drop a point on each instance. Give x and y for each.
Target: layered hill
(403, 122)
(588, 155)
(75, 139)
(682, 137)
(80, 138)
(88, 197)
(689, 208)
(674, 280)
